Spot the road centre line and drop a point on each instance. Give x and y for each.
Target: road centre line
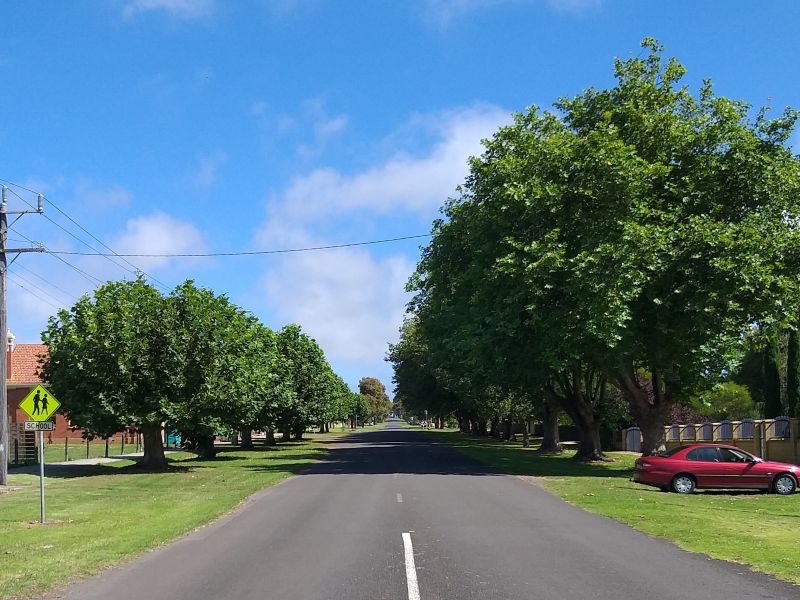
(400, 498)
(411, 570)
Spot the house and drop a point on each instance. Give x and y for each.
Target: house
(22, 375)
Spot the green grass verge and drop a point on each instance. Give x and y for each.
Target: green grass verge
(753, 528)
(102, 515)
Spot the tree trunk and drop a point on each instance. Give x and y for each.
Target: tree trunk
(773, 407)
(577, 406)
(508, 429)
(247, 438)
(652, 435)
(793, 374)
(205, 447)
(271, 438)
(650, 415)
(649, 408)
(526, 440)
(154, 457)
(494, 427)
(589, 447)
(286, 432)
(551, 443)
(480, 427)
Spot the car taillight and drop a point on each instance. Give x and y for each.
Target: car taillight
(641, 465)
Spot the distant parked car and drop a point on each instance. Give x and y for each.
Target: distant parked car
(687, 468)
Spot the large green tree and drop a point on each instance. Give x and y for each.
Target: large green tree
(631, 236)
(373, 388)
(310, 379)
(114, 359)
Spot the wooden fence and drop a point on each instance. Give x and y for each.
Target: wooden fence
(772, 439)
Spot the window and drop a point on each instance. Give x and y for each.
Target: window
(736, 456)
(704, 454)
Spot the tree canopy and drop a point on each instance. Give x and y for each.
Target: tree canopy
(130, 356)
(628, 238)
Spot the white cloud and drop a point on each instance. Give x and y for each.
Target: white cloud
(102, 197)
(182, 9)
(40, 285)
(323, 126)
(158, 233)
(205, 175)
(403, 183)
(350, 302)
(353, 300)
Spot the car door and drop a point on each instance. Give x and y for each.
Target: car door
(743, 470)
(703, 462)
(738, 470)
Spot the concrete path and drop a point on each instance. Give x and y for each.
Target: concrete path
(82, 462)
(390, 515)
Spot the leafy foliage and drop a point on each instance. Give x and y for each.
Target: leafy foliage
(375, 391)
(129, 356)
(629, 237)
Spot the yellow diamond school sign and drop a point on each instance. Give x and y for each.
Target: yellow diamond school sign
(39, 404)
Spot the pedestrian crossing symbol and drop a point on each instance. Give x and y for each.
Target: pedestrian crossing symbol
(39, 404)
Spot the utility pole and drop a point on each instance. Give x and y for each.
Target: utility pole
(4, 212)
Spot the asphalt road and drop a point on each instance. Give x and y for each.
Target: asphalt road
(342, 531)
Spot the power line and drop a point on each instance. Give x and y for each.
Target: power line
(50, 283)
(87, 276)
(106, 246)
(108, 256)
(90, 278)
(112, 253)
(78, 238)
(35, 295)
(22, 187)
(34, 286)
(247, 253)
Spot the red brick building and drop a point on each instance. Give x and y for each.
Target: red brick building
(22, 370)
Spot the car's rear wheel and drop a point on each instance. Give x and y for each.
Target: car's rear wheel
(784, 484)
(683, 484)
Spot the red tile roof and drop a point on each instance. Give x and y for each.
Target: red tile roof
(25, 363)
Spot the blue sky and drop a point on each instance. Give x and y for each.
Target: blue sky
(166, 126)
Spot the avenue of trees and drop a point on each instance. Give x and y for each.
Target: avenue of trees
(129, 356)
(375, 393)
(635, 250)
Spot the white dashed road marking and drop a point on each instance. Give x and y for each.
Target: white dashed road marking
(411, 570)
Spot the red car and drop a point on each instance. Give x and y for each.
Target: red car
(686, 468)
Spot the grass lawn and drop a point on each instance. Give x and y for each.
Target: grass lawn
(101, 515)
(757, 529)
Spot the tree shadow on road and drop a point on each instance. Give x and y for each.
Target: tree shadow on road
(451, 453)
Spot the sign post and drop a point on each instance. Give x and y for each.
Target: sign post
(40, 405)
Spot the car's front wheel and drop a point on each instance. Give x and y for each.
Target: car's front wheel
(784, 484)
(683, 484)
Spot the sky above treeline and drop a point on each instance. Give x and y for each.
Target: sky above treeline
(191, 126)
